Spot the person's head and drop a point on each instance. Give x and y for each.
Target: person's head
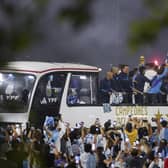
(129, 127)
(114, 70)
(107, 125)
(95, 129)
(160, 70)
(125, 69)
(134, 152)
(87, 148)
(109, 75)
(164, 123)
(38, 134)
(99, 150)
(97, 122)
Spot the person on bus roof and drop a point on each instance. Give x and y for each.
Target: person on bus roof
(155, 89)
(125, 83)
(105, 88)
(139, 83)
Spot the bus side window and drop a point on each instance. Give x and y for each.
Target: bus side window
(82, 89)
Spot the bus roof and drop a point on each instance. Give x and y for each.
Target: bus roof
(42, 67)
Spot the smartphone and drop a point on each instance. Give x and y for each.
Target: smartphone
(112, 165)
(93, 147)
(72, 129)
(114, 123)
(77, 159)
(159, 155)
(137, 142)
(126, 140)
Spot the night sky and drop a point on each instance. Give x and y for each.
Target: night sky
(102, 42)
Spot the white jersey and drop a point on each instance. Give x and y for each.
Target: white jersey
(150, 73)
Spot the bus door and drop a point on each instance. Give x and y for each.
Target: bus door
(47, 97)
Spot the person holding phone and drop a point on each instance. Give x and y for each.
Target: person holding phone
(88, 158)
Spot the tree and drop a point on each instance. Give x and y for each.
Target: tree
(78, 13)
(21, 30)
(18, 30)
(142, 32)
(146, 31)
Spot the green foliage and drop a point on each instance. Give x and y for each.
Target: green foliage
(41, 2)
(146, 31)
(21, 31)
(20, 40)
(40, 6)
(7, 8)
(78, 14)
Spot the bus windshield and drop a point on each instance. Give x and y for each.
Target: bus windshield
(15, 92)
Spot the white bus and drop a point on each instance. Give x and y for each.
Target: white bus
(29, 91)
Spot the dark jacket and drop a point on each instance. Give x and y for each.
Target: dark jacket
(123, 76)
(7, 164)
(105, 88)
(134, 162)
(140, 82)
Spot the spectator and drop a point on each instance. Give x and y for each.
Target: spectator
(163, 149)
(3, 149)
(102, 162)
(134, 160)
(162, 129)
(17, 154)
(131, 133)
(102, 146)
(88, 159)
(150, 72)
(164, 91)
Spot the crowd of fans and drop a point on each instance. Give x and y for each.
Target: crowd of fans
(145, 85)
(134, 145)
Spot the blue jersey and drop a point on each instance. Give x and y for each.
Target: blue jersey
(157, 82)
